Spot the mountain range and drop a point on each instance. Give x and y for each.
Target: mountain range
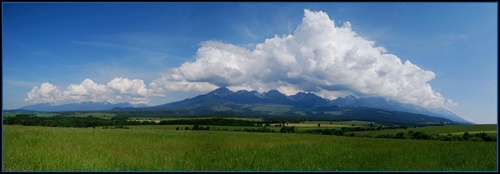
(223, 100)
(80, 106)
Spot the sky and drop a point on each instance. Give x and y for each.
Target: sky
(428, 54)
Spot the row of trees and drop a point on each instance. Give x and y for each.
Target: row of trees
(59, 121)
(210, 121)
(449, 137)
(199, 127)
(262, 129)
(401, 135)
(195, 127)
(89, 121)
(371, 128)
(324, 131)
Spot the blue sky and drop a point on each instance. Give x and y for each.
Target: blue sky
(146, 52)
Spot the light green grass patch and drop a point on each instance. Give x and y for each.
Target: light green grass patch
(38, 114)
(474, 132)
(436, 129)
(95, 114)
(158, 119)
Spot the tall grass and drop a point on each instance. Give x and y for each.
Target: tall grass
(459, 129)
(87, 149)
(41, 114)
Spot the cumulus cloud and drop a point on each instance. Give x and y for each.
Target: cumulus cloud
(117, 90)
(45, 93)
(86, 91)
(134, 87)
(318, 57)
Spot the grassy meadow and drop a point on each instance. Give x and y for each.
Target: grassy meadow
(163, 148)
(41, 114)
(158, 119)
(490, 129)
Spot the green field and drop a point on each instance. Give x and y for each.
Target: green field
(333, 123)
(299, 126)
(212, 127)
(145, 148)
(490, 129)
(183, 118)
(95, 114)
(41, 114)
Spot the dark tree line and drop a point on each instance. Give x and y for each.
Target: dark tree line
(401, 135)
(199, 127)
(72, 121)
(60, 121)
(449, 137)
(262, 129)
(373, 128)
(210, 121)
(324, 131)
(288, 129)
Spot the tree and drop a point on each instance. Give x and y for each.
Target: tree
(400, 135)
(196, 127)
(466, 136)
(287, 129)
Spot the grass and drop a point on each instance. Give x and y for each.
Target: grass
(41, 114)
(342, 123)
(490, 129)
(158, 119)
(212, 127)
(143, 148)
(102, 115)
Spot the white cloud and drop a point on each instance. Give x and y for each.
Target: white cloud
(86, 91)
(46, 93)
(168, 84)
(318, 57)
(134, 87)
(117, 90)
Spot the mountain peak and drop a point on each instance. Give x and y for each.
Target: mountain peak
(274, 92)
(350, 97)
(222, 91)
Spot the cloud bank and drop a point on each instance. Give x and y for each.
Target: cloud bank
(117, 90)
(318, 57)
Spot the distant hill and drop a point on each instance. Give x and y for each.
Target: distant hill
(380, 103)
(81, 106)
(248, 103)
(223, 100)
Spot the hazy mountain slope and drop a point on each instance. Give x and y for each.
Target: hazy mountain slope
(81, 106)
